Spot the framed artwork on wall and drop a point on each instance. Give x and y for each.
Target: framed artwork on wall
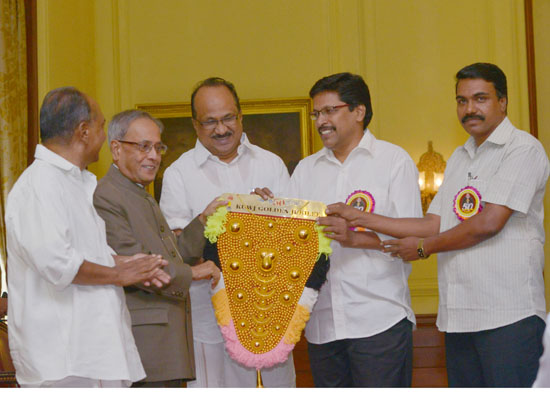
(280, 125)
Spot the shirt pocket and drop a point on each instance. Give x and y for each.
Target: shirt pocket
(480, 186)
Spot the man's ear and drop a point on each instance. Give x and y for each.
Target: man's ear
(361, 110)
(115, 150)
(196, 125)
(82, 132)
(503, 103)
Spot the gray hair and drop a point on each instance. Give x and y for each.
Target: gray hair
(121, 121)
(63, 109)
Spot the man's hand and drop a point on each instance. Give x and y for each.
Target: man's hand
(206, 270)
(336, 228)
(350, 214)
(141, 268)
(405, 248)
(210, 209)
(265, 193)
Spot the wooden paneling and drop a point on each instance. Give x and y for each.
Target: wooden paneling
(32, 78)
(428, 357)
(531, 73)
(7, 371)
(428, 354)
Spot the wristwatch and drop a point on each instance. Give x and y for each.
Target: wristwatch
(420, 250)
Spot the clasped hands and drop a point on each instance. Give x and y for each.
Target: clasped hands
(147, 270)
(141, 268)
(340, 217)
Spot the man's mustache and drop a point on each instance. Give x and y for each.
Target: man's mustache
(220, 136)
(471, 117)
(324, 128)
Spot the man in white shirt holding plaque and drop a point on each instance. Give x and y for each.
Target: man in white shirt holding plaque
(222, 161)
(360, 330)
(491, 256)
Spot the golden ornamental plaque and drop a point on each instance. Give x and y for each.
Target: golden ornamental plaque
(274, 258)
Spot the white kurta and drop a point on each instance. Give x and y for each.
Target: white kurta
(366, 291)
(499, 281)
(188, 186)
(59, 329)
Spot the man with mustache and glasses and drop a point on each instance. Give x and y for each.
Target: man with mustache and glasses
(360, 331)
(161, 318)
(490, 266)
(223, 160)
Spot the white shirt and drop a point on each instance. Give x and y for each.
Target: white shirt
(499, 281)
(366, 291)
(192, 182)
(59, 329)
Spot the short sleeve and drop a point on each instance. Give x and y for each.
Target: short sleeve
(522, 172)
(38, 230)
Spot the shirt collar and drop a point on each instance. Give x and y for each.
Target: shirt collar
(499, 136)
(201, 154)
(44, 154)
(137, 184)
(117, 175)
(366, 143)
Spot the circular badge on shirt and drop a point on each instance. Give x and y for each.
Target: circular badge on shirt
(363, 201)
(467, 203)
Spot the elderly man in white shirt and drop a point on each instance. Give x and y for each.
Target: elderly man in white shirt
(360, 331)
(69, 325)
(491, 289)
(223, 160)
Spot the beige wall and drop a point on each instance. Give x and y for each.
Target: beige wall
(126, 52)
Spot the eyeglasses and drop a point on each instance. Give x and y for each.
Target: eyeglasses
(227, 121)
(326, 111)
(146, 146)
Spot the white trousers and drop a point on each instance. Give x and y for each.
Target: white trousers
(215, 368)
(80, 382)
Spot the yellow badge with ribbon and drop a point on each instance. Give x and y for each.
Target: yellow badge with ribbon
(363, 201)
(274, 259)
(467, 203)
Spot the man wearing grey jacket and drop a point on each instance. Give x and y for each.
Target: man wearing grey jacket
(161, 318)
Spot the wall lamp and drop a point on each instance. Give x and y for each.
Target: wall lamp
(431, 168)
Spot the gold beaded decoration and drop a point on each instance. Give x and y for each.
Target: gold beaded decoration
(234, 226)
(265, 279)
(234, 265)
(302, 234)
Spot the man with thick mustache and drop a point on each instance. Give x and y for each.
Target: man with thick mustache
(161, 319)
(490, 266)
(360, 330)
(223, 160)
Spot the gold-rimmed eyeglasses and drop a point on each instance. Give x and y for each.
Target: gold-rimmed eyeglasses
(146, 146)
(326, 111)
(227, 121)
